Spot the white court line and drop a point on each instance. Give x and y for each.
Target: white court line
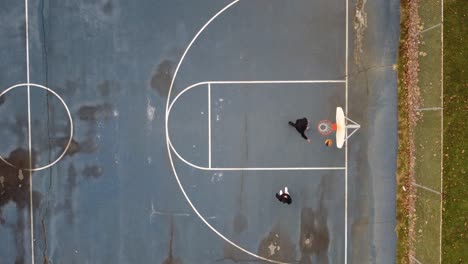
(425, 188)
(277, 81)
(429, 109)
(415, 260)
(31, 211)
(169, 146)
(69, 119)
(346, 135)
(441, 122)
(248, 168)
(209, 125)
(430, 28)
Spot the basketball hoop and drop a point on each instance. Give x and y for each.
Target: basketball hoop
(343, 124)
(326, 127)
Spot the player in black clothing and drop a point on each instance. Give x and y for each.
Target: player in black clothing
(284, 197)
(301, 126)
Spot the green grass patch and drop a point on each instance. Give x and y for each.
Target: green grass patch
(427, 227)
(430, 66)
(430, 12)
(428, 145)
(455, 189)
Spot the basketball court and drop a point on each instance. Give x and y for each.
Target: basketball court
(169, 146)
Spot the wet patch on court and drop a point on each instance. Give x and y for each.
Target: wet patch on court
(87, 146)
(92, 171)
(66, 207)
(16, 128)
(14, 182)
(240, 223)
(277, 245)
(87, 141)
(93, 117)
(50, 139)
(314, 239)
(14, 188)
(233, 254)
(161, 79)
(68, 90)
(18, 229)
(103, 111)
(107, 7)
(74, 177)
(107, 87)
(98, 14)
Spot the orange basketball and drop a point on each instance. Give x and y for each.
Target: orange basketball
(328, 142)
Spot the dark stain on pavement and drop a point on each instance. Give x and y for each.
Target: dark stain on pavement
(277, 245)
(108, 7)
(314, 238)
(18, 229)
(170, 258)
(45, 258)
(68, 90)
(106, 87)
(67, 206)
(73, 148)
(14, 183)
(17, 127)
(87, 146)
(93, 171)
(95, 112)
(235, 255)
(161, 80)
(14, 188)
(240, 223)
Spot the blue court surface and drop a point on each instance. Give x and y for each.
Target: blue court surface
(157, 131)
